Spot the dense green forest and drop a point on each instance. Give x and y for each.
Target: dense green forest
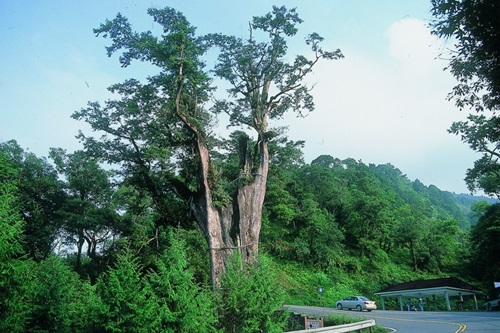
(160, 225)
(80, 251)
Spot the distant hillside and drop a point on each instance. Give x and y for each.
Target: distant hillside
(466, 201)
(365, 226)
(469, 199)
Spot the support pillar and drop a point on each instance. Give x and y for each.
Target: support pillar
(461, 302)
(447, 298)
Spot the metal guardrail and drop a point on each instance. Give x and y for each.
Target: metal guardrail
(353, 327)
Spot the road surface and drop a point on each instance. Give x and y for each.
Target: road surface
(416, 321)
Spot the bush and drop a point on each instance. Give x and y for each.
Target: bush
(250, 299)
(129, 304)
(184, 306)
(335, 320)
(61, 301)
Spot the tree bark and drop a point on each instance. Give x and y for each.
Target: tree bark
(236, 226)
(250, 200)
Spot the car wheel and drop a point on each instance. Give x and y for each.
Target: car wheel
(488, 307)
(339, 306)
(369, 310)
(358, 308)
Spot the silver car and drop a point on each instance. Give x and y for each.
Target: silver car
(359, 303)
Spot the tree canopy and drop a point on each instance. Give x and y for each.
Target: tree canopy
(161, 132)
(474, 27)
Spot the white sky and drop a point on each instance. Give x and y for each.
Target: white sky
(385, 102)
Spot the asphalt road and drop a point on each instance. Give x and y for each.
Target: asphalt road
(415, 321)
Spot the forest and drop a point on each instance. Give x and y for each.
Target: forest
(159, 225)
(82, 253)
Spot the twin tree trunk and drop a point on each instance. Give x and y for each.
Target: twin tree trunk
(236, 226)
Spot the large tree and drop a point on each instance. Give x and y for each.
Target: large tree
(474, 26)
(89, 218)
(162, 135)
(41, 197)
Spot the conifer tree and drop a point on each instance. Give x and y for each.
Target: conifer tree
(184, 306)
(249, 298)
(14, 271)
(129, 304)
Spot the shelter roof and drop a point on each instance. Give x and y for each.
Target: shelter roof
(426, 288)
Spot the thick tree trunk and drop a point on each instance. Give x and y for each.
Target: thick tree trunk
(249, 201)
(214, 223)
(237, 225)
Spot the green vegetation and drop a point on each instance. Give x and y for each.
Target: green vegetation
(334, 320)
(475, 63)
(296, 322)
(159, 133)
(191, 233)
(341, 225)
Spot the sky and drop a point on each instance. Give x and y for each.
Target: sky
(385, 102)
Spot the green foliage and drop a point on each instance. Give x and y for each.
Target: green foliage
(480, 133)
(485, 241)
(479, 208)
(183, 305)
(61, 301)
(299, 204)
(16, 284)
(341, 225)
(319, 237)
(133, 125)
(249, 298)
(475, 29)
(40, 197)
(331, 208)
(371, 225)
(198, 260)
(334, 320)
(11, 222)
(153, 129)
(129, 303)
(253, 67)
(15, 272)
(88, 213)
(301, 284)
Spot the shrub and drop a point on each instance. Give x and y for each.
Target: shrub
(250, 299)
